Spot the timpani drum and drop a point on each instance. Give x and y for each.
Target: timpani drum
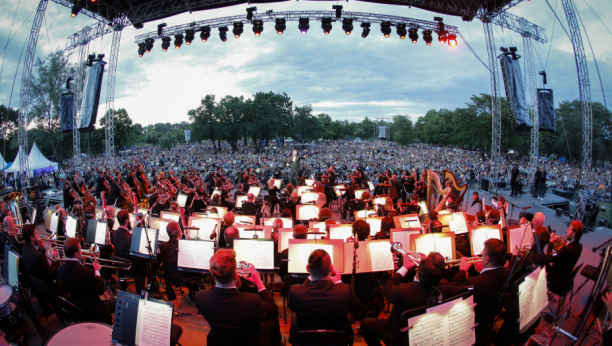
(83, 334)
(6, 306)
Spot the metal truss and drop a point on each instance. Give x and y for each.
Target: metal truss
(519, 25)
(496, 102)
(530, 82)
(97, 10)
(110, 94)
(585, 104)
(92, 32)
(78, 93)
(24, 96)
(295, 16)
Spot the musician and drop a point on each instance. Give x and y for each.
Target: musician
(563, 263)
(488, 284)
(68, 198)
(323, 301)
(331, 176)
(514, 180)
(75, 184)
(131, 181)
(290, 204)
(321, 199)
(239, 191)
(406, 296)
(249, 207)
(114, 195)
(168, 258)
(387, 209)
(500, 204)
(238, 317)
(386, 224)
(229, 235)
(299, 232)
(122, 238)
(34, 258)
(228, 220)
(476, 200)
(101, 186)
(295, 167)
(9, 235)
(85, 284)
(538, 220)
(358, 176)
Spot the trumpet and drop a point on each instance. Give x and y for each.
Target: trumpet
(413, 256)
(470, 260)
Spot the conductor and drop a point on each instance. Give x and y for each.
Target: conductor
(295, 167)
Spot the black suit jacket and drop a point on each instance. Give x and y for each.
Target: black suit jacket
(249, 208)
(36, 264)
(323, 305)
(85, 289)
(236, 314)
(122, 240)
(564, 262)
(113, 195)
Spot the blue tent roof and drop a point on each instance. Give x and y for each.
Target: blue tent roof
(563, 159)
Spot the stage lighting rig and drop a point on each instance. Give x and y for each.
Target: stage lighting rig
(326, 25)
(160, 28)
(413, 35)
(304, 25)
(452, 40)
(280, 26)
(385, 28)
(366, 29)
(166, 43)
(258, 27)
(347, 25)
(442, 37)
(149, 45)
(178, 41)
(338, 9)
(401, 30)
(205, 33)
(238, 28)
(77, 7)
(427, 37)
(141, 49)
(223, 33)
(189, 36)
(250, 11)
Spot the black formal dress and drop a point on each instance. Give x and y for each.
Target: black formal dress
(563, 263)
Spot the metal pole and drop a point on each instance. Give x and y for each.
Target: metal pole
(495, 102)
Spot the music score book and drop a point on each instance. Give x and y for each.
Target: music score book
(516, 239)
(480, 234)
(206, 227)
(300, 250)
(358, 193)
(309, 182)
(309, 198)
(248, 231)
(363, 214)
(181, 200)
(140, 244)
(375, 223)
(372, 256)
(533, 298)
(160, 224)
(284, 234)
(96, 232)
(241, 199)
(304, 188)
(142, 323)
(255, 190)
(444, 243)
(71, 227)
(449, 324)
(341, 231)
(287, 221)
(259, 252)
(54, 223)
(407, 221)
(48, 215)
(307, 212)
(194, 255)
(277, 183)
(402, 236)
(170, 216)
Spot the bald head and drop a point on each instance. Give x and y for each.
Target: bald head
(538, 220)
(231, 233)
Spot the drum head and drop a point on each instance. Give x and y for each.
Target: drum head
(5, 293)
(83, 334)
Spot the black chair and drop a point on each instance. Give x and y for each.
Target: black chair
(321, 337)
(49, 295)
(173, 279)
(73, 313)
(562, 291)
(175, 334)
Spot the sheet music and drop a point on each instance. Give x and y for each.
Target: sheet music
(461, 320)
(255, 190)
(299, 253)
(71, 225)
(13, 270)
(308, 212)
(277, 183)
(358, 193)
(424, 245)
(170, 216)
(54, 222)
(144, 246)
(402, 238)
(374, 225)
(444, 246)
(195, 254)
(154, 324)
(258, 253)
(309, 197)
(287, 222)
(181, 200)
(163, 232)
(342, 232)
(361, 261)
(241, 199)
(426, 330)
(100, 233)
(284, 237)
(380, 256)
(449, 324)
(205, 226)
(459, 224)
(244, 219)
(532, 296)
(516, 234)
(317, 226)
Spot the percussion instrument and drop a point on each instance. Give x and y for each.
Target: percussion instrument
(6, 306)
(83, 334)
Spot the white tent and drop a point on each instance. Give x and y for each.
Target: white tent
(15, 166)
(2, 162)
(36, 160)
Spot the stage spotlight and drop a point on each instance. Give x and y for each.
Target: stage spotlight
(141, 49)
(166, 43)
(76, 8)
(237, 29)
(149, 45)
(178, 41)
(205, 33)
(250, 11)
(413, 35)
(189, 36)
(326, 25)
(338, 9)
(160, 28)
(385, 28)
(304, 25)
(366, 29)
(427, 37)
(442, 37)
(401, 30)
(257, 27)
(347, 25)
(223, 33)
(452, 40)
(280, 26)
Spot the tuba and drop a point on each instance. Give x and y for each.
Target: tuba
(11, 201)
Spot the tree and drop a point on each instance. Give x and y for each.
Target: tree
(359, 133)
(124, 134)
(403, 131)
(205, 125)
(306, 125)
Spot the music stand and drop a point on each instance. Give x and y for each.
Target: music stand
(444, 243)
(144, 242)
(241, 199)
(300, 250)
(71, 227)
(307, 212)
(532, 297)
(170, 216)
(181, 200)
(259, 252)
(96, 232)
(402, 236)
(194, 255)
(255, 190)
(287, 221)
(341, 231)
(480, 234)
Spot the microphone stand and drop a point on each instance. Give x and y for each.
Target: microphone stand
(149, 265)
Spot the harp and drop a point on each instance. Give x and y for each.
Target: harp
(435, 190)
(450, 180)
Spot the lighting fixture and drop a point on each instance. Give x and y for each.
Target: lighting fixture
(223, 33)
(427, 37)
(280, 26)
(401, 30)
(141, 49)
(413, 35)
(257, 27)
(238, 27)
(76, 8)
(366, 29)
(385, 28)
(166, 43)
(178, 41)
(347, 25)
(452, 40)
(442, 37)
(205, 33)
(149, 45)
(160, 28)
(338, 9)
(304, 25)
(189, 36)
(326, 25)
(250, 11)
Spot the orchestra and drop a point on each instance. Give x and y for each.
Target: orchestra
(328, 295)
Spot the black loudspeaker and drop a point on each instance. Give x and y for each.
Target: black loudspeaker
(484, 184)
(546, 110)
(66, 112)
(91, 97)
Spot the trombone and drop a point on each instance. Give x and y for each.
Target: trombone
(56, 253)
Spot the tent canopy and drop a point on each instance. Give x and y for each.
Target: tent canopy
(36, 161)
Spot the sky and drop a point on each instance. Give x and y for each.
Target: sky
(347, 77)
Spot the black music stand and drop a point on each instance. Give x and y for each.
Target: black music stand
(152, 254)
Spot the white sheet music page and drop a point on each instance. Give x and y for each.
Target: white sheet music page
(308, 212)
(13, 269)
(425, 245)
(531, 301)
(426, 330)
(163, 232)
(54, 222)
(205, 226)
(258, 253)
(144, 241)
(460, 224)
(299, 253)
(461, 320)
(444, 246)
(361, 263)
(154, 324)
(100, 233)
(449, 324)
(380, 256)
(71, 224)
(195, 254)
(516, 234)
(402, 238)
(479, 236)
